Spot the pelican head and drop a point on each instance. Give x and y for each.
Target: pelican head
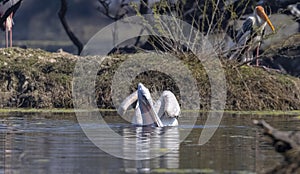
(144, 95)
(146, 105)
(260, 12)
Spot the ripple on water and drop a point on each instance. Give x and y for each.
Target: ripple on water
(52, 144)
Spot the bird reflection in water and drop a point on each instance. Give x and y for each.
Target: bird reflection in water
(151, 148)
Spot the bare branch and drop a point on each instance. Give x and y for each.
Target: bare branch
(122, 10)
(62, 14)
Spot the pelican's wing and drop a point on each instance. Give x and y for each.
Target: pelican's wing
(170, 104)
(245, 32)
(158, 107)
(127, 103)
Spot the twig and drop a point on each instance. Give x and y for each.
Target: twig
(249, 61)
(105, 4)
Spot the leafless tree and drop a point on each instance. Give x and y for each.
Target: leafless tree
(62, 13)
(208, 16)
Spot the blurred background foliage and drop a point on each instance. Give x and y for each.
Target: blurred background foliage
(37, 24)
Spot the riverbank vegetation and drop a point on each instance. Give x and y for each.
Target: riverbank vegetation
(33, 78)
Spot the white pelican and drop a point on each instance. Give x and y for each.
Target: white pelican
(249, 37)
(163, 112)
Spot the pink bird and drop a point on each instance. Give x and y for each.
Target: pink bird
(7, 10)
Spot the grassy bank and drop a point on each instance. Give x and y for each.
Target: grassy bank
(33, 78)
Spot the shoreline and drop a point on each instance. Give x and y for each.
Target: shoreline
(55, 110)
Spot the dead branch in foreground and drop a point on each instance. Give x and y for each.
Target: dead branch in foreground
(285, 142)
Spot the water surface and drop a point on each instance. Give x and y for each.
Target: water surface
(55, 143)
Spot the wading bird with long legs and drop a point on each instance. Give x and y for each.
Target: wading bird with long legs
(249, 37)
(163, 112)
(7, 10)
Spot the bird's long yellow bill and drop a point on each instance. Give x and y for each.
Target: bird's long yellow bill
(263, 15)
(270, 24)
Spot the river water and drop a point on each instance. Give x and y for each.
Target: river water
(56, 143)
